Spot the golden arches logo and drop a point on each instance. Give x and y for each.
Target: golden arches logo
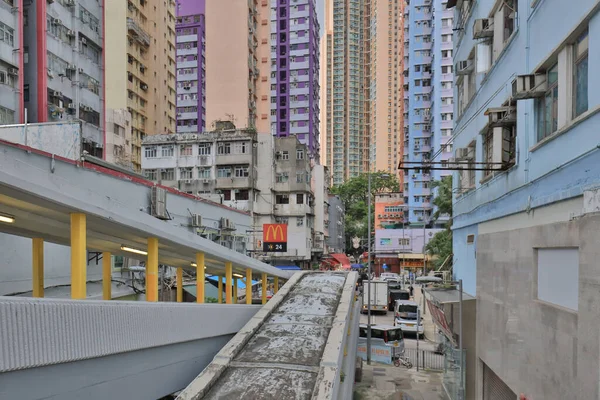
(274, 233)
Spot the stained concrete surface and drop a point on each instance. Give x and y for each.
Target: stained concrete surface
(387, 382)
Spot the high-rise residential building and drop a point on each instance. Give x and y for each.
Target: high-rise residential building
(345, 141)
(232, 68)
(362, 123)
(191, 66)
(427, 103)
(51, 65)
(295, 72)
(140, 67)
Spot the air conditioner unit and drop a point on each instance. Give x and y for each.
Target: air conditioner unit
(13, 71)
(71, 33)
(483, 28)
(72, 67)
(158, 202)
(501, 116)
(187, 181)
(464, 67)
(70, 3)
(71, 106)
(529, 86)
(144, 86)
(462, 153)
(80, 70)
(56, 21)
(236, 190)
(206, 181)
(83, 40)
(196, 220)
(56, 93)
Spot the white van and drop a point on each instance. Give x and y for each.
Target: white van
(384, 335)
(386, 276)
(405, 316)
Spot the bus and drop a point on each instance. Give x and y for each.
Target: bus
(384, 335)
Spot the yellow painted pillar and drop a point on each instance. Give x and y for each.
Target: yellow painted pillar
(228, 276)
(276, 288)
(106, 276)
(152, 270)
(179, 285)
(248, 286)
(38, 267)
(200, 277)
(264, 288)
(220, 298)
(235, 290)
(78, 256)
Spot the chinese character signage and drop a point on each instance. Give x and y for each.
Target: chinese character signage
(382, 354)
(275, 238)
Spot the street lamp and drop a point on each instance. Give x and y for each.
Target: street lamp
(369, 264)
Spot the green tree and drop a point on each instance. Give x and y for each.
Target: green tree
(440, 244)
(354, 194)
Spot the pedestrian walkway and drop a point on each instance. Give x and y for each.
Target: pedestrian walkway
(428, 324)
(387, 382)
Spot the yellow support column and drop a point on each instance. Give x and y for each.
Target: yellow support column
(264, 288)
(228, 276)
(276, 288)
(248, 286)
(152, 270)
(235, 290)
(106, 276)
(78, 256)
(38, 267)
(179, 285)
(200, 277)
(220, 298)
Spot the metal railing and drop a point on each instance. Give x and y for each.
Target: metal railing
(426, 359)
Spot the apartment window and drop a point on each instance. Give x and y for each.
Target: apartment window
(167, 174)
(241, 171)
(203, 173)
(300, 154)
(242, 194)
(547, 106)
(299, 221)
(7, 34)
(150, 152)
(281, 177)
(224, 172)
(185, 173)
(224, 148)
(227, 195)
(150, 174)
(204, 149)
(282, 199)
(240, 147)
(580, 79)
(167, 151)
(285, 155)
(299, 177)
(185, 150)
(446, 69)
(300, 198)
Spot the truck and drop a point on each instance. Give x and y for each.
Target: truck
(379, 296)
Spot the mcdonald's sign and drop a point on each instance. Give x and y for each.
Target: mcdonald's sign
(275, 238)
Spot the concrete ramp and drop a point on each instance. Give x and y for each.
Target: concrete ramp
(301, 345)
(64, 349)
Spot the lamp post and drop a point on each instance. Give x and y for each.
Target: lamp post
(369, 263)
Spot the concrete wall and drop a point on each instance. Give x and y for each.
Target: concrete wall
(538, 348)
(61, 139)
(337, 235)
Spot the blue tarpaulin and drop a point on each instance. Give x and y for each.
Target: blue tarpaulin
(289, 267)
(357, 266)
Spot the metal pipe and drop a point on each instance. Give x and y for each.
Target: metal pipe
(369, 272)
(460, 337)
(418, 321)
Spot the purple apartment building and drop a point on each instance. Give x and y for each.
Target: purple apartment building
(191, 66)
(295, 71)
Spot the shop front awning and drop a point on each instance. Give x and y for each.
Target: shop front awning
(443, 296)
(342, 259)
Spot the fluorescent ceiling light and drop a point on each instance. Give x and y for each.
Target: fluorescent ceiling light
(238, 275)
(136, 251)
(195, 265)
(9, 219)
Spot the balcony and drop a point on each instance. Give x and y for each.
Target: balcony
(234, 183)
(137, 32)
(233, 159)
